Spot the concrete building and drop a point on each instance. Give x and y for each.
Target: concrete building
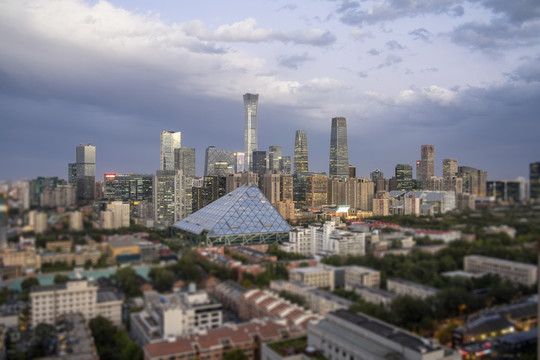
(404, 287)
(234, 181)
(373, 295)
(359, 275)
(26, 260)
(521, 273)
(174, 315)
(427, 162)
(75, 221)
(411, 206)
(86, 172)
(344, 335)
(172, 197)
(316, 276)
(115, 216)
(75, 296)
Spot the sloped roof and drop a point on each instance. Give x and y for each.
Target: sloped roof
(244, 210)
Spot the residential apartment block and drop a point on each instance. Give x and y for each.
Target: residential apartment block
(359, 275)
(404, 287)
(173, 315)
(521, 273)
(82, 296)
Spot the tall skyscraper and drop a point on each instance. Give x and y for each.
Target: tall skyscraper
(184, 159)
(449, 168)
(251, 102)
(274, 155)
(427, 162)
(259, 163)
(404, 177)
(239, 162)
(339, 149)
(534, 180)
(300, 152)
(170, 140)
(86, 172)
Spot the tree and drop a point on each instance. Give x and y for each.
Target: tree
(28, 283)
(60, 279)
(236, 354)
(163, 279)
(126, 278)
(43, 338)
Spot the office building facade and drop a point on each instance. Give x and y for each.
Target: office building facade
(251, 102)
(300, 152)
(169, 141)
(274, 157)
(404, 177)
(172, 197)
(86, 172)
(218, 161)
(339, 149)
(427, 162)
(534, 180)
(184, 159)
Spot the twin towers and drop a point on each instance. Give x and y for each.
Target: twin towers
(339, 148)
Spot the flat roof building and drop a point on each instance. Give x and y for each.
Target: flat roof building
(521, 273)
(344, 335)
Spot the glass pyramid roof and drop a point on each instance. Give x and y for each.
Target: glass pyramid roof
(243, 211)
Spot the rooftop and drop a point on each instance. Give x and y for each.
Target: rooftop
(501, 261)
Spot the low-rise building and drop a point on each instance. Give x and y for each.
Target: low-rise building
(521, 273)
(404, 287)
(83, 296)
(344, 335)
(362, 276)
(228, 293)
(265, 304)
(174, 315)
(27, 260)
(215, 343)
(373, 295)
(317, 276)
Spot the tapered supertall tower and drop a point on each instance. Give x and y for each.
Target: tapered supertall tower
(339, 149)
(300, 152)
(251, 102)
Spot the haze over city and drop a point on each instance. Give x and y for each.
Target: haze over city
(462, 75)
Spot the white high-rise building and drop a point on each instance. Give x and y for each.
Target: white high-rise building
(251, 102)
(170, 140)
(172, 197)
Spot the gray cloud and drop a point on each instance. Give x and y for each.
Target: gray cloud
(293, 61)
(528, 72)
(290, 6)
(495, 35)
(393, 9)
(517, 11)
(373, 52)
(394, 45)
(363, 74)
(421, 34)
(391, 59)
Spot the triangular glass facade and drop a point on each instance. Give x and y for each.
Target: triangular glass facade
(244, 211)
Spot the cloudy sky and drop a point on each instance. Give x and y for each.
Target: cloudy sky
(462, 75)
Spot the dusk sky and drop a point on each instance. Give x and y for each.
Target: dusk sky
(461, 75)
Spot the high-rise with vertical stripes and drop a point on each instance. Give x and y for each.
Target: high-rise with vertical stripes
(300, 152)
(339, 149)
(251, 102)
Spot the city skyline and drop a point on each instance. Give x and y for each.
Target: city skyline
(403, 77)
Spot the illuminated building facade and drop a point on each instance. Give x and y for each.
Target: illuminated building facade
(300, 152)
